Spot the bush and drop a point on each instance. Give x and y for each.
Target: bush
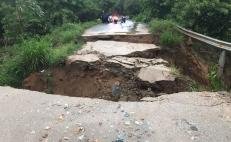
(160, 26)
(215, 82)
(66, 33)
(37, 54)
(140, 18)
(170, 39)
(59, 54)
(31, 55)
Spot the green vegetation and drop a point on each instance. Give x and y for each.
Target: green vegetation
(168, 33)
(37, 34)
(216, 83)
(170, 39)
(160, 26)
(209, 17)
(39, 53)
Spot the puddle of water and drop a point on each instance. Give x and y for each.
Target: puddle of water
(128, 27)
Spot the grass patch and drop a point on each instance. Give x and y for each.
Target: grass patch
(175, 71)
(160, 26)
(40, 53)
(170, 39)
(169, 36)
(216, 84)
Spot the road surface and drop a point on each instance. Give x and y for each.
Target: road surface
(27, 116)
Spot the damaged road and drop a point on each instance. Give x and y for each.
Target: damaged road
(99, 66)
(28, 116)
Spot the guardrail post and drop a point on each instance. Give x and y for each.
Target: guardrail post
(221, 64)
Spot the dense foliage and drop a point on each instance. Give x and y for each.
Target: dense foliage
(40, 34)
(39, 53)
(22, 18)
(210, 17)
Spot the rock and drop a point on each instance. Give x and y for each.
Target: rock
(126, 114)
(81, 137)
(127, 123)
(32, 132)
(61, 117)
(66, 138)
(116, 90)
(47, 128)
(134, 62)
(45, 135)
(138, 123)
(118, 141)
(156, 73)
(85, 58)
(79, 130)
(66, 106)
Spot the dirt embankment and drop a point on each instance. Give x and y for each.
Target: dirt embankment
(94, 71)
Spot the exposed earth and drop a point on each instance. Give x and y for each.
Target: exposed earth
(95, 69)
(120, 87)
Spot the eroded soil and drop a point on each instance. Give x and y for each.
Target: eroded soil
(136, 70)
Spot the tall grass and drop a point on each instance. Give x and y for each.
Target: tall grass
(36, 54)
(170, 39)
(160, 26)
(167, 31)
(216, 84)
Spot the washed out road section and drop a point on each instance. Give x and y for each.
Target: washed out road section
(28, 116)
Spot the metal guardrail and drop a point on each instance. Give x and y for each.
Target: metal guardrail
(211, 41)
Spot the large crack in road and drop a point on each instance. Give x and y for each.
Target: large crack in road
(107, 70)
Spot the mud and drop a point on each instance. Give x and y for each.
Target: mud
(141, 70)
(93, 74)
(80, 80)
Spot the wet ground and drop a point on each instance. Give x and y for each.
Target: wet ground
(129, 27)
(110, 70)
(27, 116)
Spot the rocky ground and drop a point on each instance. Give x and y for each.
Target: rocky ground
(27, 116)
(101, 66)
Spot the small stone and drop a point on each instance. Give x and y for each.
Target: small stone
(79, 130)
(194, 128)
(119, 140)
(61, 117)
(32, 132)
(194, 138)
(78, 124)
(119, 106)
(100, 123)
(138, 123)
(45, 135)
(81, 137)
(126, 114)
(66, 138)
(127, 123)
(66, 106)
(47, 128)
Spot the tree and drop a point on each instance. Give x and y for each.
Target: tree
(19, 16)
(210, 17)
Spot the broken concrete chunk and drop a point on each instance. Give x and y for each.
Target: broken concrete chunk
(113, 48)
(84, 58)
(156, 73)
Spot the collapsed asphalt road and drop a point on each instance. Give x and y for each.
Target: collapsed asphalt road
(28, 116)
